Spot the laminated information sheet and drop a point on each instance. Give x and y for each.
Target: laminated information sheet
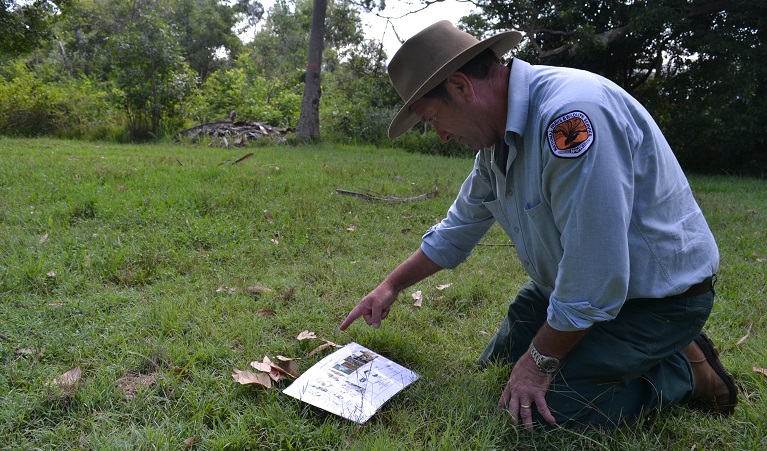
(353, 382)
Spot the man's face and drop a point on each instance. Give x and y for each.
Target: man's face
(451, 120)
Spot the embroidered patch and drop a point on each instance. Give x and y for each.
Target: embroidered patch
(571, 135)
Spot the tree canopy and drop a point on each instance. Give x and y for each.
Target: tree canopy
(698, 65)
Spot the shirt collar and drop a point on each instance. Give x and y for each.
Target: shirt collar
(519, 98)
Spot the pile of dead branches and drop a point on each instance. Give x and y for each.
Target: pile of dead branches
(232, 134)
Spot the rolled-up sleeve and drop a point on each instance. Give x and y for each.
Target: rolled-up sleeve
(449, 243)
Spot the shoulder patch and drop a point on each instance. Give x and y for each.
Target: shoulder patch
(570, 135)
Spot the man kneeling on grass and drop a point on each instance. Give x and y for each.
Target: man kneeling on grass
(579, 176)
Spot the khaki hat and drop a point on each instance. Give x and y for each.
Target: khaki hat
(428, 58)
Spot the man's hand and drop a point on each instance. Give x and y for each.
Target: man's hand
(526, 390)
(374, 307)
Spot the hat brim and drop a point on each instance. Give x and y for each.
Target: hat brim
(501, 43)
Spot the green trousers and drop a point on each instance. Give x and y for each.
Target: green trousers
(621, 369)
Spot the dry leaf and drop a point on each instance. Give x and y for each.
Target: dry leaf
(189, 442)
(55, 304)
(743, 338)
(121, 188)
(225, 289)
(319, 348)
(24, 351)
(418, 298)
(762, 371)
(250, 378)
(260, 366)
(305, 335)
(266, 312)
(276, 374)
(268, 216)
(351, 228)
(442, 287)
(43, 239)
(259, 289)
(51, 273)
(68, 380)
(288, 365)
(275, 241)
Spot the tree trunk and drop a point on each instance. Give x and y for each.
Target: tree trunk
(309, 122)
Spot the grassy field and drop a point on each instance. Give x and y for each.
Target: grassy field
(133, 263)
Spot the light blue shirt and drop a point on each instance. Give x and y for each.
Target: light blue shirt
(592, 227)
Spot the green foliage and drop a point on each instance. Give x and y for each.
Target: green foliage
(697, 65)
(25, 25)
(252, 96)
(152, 76)
(71, 108)
(204, 27)
(139, 246)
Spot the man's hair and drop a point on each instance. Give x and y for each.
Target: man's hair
(478, 67)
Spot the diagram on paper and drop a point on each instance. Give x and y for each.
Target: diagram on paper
(353, 382)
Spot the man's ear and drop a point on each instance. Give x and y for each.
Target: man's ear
(459, 86)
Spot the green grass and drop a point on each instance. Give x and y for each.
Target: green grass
(140, 245)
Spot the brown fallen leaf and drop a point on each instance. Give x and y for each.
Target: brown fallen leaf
(51, 273)
(418, 298)
(43, 239)
(276, 372)
(321, 347)
(35, 353)
(121, 188)
(443, 286)
(255, 289)
(67, 381)
(268, 216)
(288, 365)
(744, 337)
(306, 335)
(762, 371)
(266, 312)
(250, 378)
(261, 366)
(189, 442)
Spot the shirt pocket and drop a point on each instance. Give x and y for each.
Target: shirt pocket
(544, 235)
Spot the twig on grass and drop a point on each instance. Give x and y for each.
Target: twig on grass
(387, 198)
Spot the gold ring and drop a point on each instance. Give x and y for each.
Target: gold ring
(524, 406)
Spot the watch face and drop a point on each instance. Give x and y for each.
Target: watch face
(549, 365)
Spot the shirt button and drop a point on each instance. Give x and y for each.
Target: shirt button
(509, 192)
(516, 229)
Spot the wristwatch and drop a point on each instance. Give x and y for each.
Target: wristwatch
(545, 363)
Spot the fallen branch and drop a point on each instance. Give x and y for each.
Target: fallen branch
(387, 198)
(241, 159)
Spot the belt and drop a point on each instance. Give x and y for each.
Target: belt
(699, 288)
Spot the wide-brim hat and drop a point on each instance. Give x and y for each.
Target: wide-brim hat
(428, 58)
